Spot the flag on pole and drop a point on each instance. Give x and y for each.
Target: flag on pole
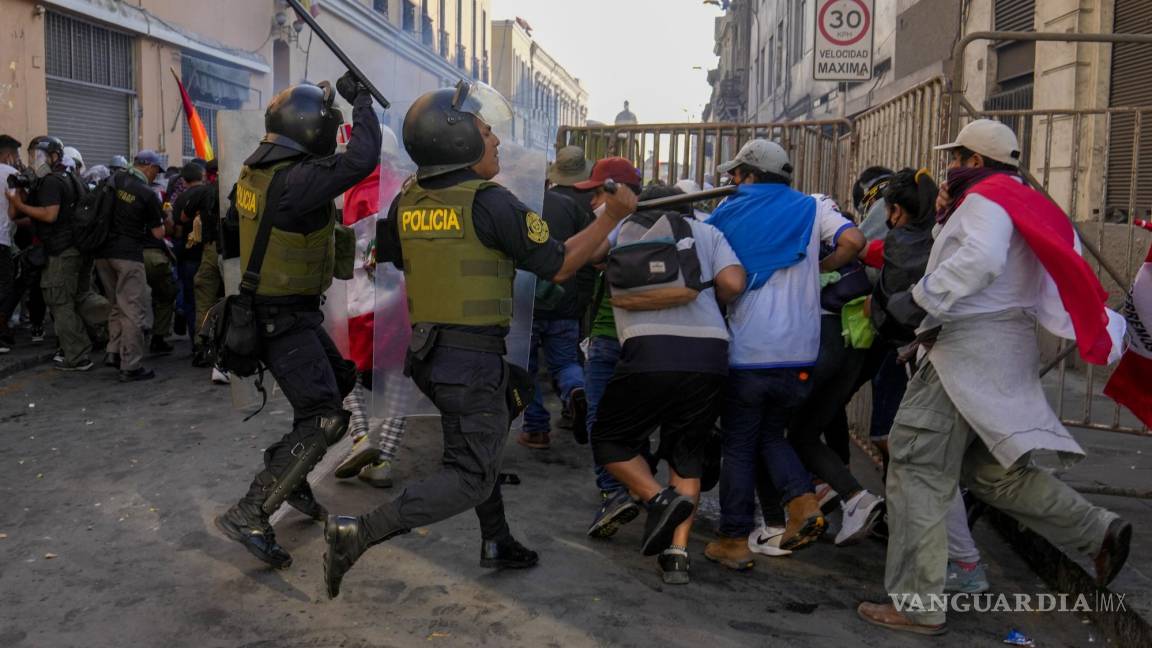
(199, 133)
(1131, 383)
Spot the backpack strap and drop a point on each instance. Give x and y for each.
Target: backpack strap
(689, 260)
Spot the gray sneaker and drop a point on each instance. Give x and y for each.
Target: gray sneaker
(972, 581)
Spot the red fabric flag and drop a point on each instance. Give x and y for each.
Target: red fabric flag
(1047, 230)
(199, 133)
(1131, 383)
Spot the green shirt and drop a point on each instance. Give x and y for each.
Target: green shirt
(604, 323)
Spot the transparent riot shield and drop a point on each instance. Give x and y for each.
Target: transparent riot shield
(393, 394)
(238, 133)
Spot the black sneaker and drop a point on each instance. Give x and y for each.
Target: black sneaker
(83, 365)
(6, 343)
(342, 534)
(160, 346)
(137, 374)
(112, 360)
(506, 554)
(665, 512)
(256, 535)
(1113, 551)
(674, 567)
(37, 333)
(579, 415)
(617, 509)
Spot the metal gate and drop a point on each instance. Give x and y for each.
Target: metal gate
(90, 87)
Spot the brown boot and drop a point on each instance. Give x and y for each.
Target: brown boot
(534, 440)
(805, 522)
(733, 553)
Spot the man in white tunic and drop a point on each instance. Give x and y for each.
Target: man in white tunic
(975, 411)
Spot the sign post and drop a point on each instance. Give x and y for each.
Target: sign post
(844, 38)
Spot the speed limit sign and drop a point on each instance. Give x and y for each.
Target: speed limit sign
(844, 33)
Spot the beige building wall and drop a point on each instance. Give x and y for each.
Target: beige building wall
(544, 95)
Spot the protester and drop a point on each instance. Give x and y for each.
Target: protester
(556, 322)
(1004, 260)
(680, 349)
(120, 262)
(188, 238)
(601, 356)
(66, 280)
(158, 268)
(9, 160)
(776, 231)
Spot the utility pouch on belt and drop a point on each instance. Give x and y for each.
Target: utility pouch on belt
(423, 340)
(345, 252)
(236, 341)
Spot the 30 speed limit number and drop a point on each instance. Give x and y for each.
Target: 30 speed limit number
(843, 43)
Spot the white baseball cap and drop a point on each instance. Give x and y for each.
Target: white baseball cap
(762, 154)
(989, 138)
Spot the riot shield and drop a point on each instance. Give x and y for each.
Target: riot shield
(393, 394)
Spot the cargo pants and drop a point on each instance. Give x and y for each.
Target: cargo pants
(158, 268)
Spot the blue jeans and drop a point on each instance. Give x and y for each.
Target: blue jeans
(561, 342)
(603, 354)
(758, 404)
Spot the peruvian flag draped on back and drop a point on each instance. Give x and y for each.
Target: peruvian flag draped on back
(1131, 383)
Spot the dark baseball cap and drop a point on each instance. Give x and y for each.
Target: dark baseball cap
(617, 169)
(148, 157)
(9, 142)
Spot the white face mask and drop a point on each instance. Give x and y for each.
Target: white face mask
(599, 211)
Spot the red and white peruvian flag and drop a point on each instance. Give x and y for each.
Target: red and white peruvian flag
(361, 209)
(1131, 384)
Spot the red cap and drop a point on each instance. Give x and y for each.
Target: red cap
(614, 168)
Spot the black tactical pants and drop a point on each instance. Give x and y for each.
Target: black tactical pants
(468, 387)
(314, 377)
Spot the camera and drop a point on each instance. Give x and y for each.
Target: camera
(24, 179)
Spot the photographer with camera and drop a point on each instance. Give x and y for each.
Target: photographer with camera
(9, 161)
(47, 193)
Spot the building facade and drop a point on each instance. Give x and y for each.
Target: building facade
(1089, 163)
(544, 95)
(96, 73)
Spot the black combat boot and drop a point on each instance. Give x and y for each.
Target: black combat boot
(302, 499)
(345, 545)
(254, 532)
(506, 554)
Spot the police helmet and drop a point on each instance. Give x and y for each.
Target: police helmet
(303, 119)
(48, 144)
(440, 133)
(118, 162)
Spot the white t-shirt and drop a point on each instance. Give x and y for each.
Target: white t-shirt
(6, 224)
(778, 324)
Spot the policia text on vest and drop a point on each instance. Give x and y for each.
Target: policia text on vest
(432, 222)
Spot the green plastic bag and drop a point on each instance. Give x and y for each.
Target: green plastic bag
(856, 325)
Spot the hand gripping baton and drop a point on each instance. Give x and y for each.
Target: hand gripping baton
(316, 29)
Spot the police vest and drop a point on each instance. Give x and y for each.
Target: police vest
(295, 263)
(451, 277)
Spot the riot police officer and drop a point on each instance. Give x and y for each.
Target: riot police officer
(296, 162)
(458, 237)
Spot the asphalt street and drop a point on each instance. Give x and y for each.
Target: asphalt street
(106, 539)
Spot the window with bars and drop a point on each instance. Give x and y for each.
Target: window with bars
(207, 114)
(79, 51)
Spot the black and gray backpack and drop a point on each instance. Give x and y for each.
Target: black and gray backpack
(654, 263)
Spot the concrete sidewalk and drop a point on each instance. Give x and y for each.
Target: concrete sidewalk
(26, 353)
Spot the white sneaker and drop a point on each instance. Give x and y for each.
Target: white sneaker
(766, 541)
(860, 513)
(219, 377)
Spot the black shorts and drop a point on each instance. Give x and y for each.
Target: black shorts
(684, 405)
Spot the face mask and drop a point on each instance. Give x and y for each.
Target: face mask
(601, 210)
